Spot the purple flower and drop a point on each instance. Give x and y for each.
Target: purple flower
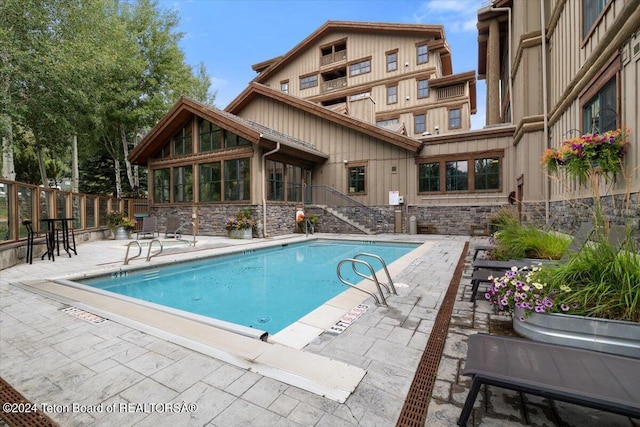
(564, 307)
(521, 319)
(574, 305)
(487, 295)
(540, 309)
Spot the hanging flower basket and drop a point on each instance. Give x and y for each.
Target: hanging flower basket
(578, 157)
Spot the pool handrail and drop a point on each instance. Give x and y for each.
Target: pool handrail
(149, 256)
(384, 265)
(379, 301)
(126, 256)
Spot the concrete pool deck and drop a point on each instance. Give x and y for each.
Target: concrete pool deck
(129, 375)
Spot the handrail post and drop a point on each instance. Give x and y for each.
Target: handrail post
(126, 256)
(149, 250)
(382, 300)
(384, 265)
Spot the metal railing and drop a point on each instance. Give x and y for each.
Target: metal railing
(355, 261)
(352, 209)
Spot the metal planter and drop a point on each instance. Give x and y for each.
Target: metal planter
(609, 336)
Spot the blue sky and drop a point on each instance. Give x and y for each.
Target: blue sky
(230, 36)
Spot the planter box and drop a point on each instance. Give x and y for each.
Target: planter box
(609, 336)
(241, 234)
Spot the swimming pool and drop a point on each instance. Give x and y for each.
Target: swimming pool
(265, 289)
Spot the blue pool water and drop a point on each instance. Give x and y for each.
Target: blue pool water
(266, 289)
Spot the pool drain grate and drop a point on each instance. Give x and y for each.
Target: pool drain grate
(414, 411)
(14, 400)
(84, 315)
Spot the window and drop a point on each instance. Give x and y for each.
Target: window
(422, 53)
(164, 152)
(454, 118)
(210, 136)
(275, 180)
(392, 94)
(294, 183)
(183, 184)
(386, 122)
(182, 143)
(360, 68)
(423, 88)
(487, 174)
(392, 61)
(356, 179)
(210, 180)
(161, 186)
(232, 140)
(237, 176)
(284, 86)
(590, 11)
(599, 113)
(457, 175)
(309, 81)
(428, 177)
(419, 121)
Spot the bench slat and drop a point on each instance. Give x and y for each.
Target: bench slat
(590, 378)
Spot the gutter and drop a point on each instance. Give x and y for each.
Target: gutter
(263, 179)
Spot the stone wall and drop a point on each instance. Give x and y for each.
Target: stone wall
(451, 219)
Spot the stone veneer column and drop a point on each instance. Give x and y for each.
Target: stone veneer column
(493, 74)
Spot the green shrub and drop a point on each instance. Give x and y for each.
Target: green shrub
(604, 280)
(517, 242)
(503, 218)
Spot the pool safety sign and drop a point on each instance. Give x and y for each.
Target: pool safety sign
(348, 319)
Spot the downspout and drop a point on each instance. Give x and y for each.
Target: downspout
(545, 108)
(508, 10)
(264, 192)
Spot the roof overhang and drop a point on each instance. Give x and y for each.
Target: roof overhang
(257, 89)
(428, 31)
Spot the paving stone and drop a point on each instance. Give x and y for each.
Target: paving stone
(107, 384)
(442, 414)
(224, 376)
(283, 405)
(406, 358)
(264, 392)
(149, 363)
(244, 414)
(305, 414)
(455, 346)
(185, 372)
(244, 383)
(441, 390)
(448, 369)
(148, 391)
(330, 420)
(389, 377)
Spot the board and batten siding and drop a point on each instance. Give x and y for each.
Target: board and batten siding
(340, 143)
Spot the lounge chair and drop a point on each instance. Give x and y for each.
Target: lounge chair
(173, 227)
(617, 237)
(583, 377)
(149, 227)
(579, 240)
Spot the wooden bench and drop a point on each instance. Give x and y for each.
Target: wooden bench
(584, 377)
(424, 228)
(478, 230)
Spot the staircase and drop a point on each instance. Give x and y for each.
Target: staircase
(348, 210)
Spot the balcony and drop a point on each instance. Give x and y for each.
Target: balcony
(450, 91)
(332, 57)
(334, 84)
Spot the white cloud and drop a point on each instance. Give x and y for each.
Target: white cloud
(456, 15)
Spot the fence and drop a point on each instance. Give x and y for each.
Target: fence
(21, 201)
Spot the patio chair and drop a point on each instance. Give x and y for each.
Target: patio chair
(149, 227)
(484, 269)
(584, 377)
(173, 227)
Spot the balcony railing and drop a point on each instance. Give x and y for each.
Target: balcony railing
(333, 57)
(334, 84)
(450, 91)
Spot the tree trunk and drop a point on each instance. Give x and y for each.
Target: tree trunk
(127, 163)
(8, 167)
(43, 169)
(75, 174)
(116, 167)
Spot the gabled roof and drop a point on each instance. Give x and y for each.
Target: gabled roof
(427, 31)
(257, 89)
(186, 108)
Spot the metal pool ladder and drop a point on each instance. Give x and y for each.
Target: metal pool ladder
(149, 255)
(374, 278)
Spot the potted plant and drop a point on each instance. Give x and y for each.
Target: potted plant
(580, 156)
(240, 226)
(120, 225)
(589, 302)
